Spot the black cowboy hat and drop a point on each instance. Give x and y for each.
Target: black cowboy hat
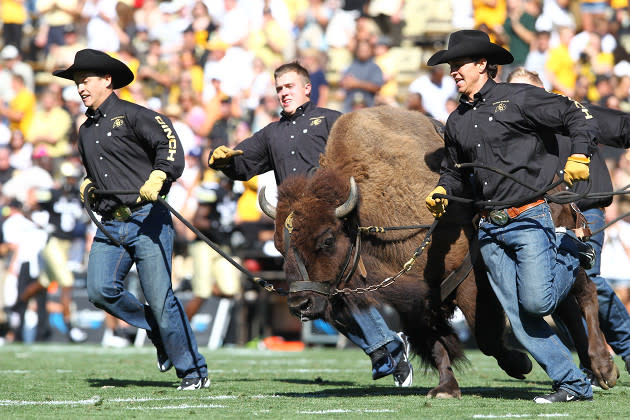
(474, 44)
(99, 62)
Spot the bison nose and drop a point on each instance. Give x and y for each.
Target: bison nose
(299, 306)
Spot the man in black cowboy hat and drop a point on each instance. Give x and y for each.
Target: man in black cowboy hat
(126, 147)
(511, 127)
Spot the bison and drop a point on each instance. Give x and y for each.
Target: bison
(378, 166)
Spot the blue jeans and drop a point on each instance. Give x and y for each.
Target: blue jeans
(530, 278)
(147, 241)
(613, 316)
(371, 331)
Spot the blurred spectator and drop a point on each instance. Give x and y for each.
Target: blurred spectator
(186, 74)
(622, 92)
(560, 67)
(311, 23)
(603, 89)
(261, 82)
(231, 67)
(54, 15)
(388, 15)
(21, 152)
(582, 87)
(490, 14)
(14, 15)
(363, 78)
(388, 63)
(149, 15)
(435, 87)
(62, 256)
(341, 28)
(37, 176)
(270, 42)
(101, 29)
(519, 30)
(27, 241)
(312, 60)
(616, 254)
(462, 14)
(267, 112)
(170, 32)
(213, 275)
(6, 168)
(154, 73)
(233, 27)
(538, 55)
(12, 63)
(125, 25)
(50, 129)
(202, 26)
(586, 39)
(62, 56)
(590, 11)
(414, 103)
(555, 14)
(20, 110)
(193, 113)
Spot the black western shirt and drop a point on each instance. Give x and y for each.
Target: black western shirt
(121, 143)
(290, 146)
(614, 127)
(511, 127)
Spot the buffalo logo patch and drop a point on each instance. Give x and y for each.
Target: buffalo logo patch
(118, 122)
(316, 120)
(502, 106)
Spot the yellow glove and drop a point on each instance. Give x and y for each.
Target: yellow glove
(87, 182)
(576, 169)
(437, 206)
(221, 156)
(150, 190)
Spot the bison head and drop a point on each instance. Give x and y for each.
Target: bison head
(315, 231)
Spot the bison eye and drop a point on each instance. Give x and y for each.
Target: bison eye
(326, 242)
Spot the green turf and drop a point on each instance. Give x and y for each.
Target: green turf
(86, 381)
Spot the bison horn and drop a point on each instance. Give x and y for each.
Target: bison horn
(267, 208)
(344, 209)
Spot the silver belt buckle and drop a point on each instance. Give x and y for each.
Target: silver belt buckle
(122, 213)
(499, 217)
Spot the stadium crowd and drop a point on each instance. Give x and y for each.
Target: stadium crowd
(208, 65)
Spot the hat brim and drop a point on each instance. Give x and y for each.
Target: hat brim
(491, 52)
(121, 74)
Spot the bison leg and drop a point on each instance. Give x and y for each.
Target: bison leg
(485, 317)
(602, 365)
(448, 386)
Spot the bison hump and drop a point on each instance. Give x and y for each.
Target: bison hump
(394, 155)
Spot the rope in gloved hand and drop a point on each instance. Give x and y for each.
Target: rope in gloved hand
(250, 276)
(559, 197)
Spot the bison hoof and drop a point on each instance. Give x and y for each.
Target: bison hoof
(609, 380)
(516, 364)
(443, 392)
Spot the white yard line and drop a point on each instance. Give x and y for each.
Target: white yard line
(176, 407)
(516, 416)
(340, 411)
(92, 400)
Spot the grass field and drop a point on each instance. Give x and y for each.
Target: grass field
(87, 381)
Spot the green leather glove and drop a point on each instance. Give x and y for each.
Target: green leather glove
(221, 156)
(150, 190)
(576, 169)
(437, 206)
(87, 182)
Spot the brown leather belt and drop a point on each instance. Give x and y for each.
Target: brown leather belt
(499, 216)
